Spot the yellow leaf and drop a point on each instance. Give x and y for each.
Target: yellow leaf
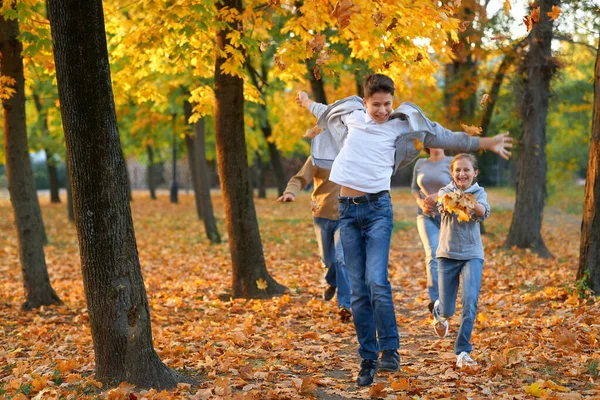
(484, 100)
(261, 284)
(312, 132)
(377, 390)
(535, 389)
(554, 13)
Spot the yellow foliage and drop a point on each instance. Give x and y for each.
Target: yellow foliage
(459, 203)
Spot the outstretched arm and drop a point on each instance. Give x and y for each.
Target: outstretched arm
(315, 108)
(498, 144)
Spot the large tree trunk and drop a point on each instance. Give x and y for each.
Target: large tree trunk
(151, 172)
(526, 225)
(28, 221)
(70, 210)
(589, 254)
(245, 245)
(210, 222)
(113, 283)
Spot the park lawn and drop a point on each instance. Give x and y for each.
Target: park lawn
(536, 334)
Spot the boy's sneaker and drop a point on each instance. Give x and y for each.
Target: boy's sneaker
(390, 361)
(440, 327)
(345, 314)
(464, 360)
(329, 293)
(368, 369)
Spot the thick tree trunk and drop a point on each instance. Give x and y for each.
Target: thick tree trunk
(129, 189)
(210, 222)
(28, 221)
(589, 253)
(526, 225)
(316, 85)
(248, 262)
(151, 173)
(113, 283)
(190, 144)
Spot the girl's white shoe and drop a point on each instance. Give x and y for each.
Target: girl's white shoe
(464, 360)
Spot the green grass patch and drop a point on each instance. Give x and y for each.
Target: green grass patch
(403, 225)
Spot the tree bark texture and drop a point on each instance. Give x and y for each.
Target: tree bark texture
(23, 197)
(112, 278)
(526, 225)
(260, 174)
(50, 163)
(190, 144)
(70, 211)
(589, 253)
(245, 245)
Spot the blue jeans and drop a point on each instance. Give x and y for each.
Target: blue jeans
(450, 272)
(429, 231)
(366, 230)
(332, 255)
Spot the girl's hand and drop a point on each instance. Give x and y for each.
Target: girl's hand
(302, 99)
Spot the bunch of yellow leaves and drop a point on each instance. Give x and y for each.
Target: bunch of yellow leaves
(459, 203)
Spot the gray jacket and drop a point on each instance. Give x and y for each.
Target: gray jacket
(461, 240)
(327, 145)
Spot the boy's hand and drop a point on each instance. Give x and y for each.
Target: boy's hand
(302, 99)
(501, 143)
(287, 197)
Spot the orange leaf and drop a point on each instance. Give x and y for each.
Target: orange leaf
(377, 390)
(554, 13)
(312, 132)
(484, 100)
(507, 7)
(418, 144)
(472, 130)
(317, 73)
(310, 335)
(402, 384)
(343, 11)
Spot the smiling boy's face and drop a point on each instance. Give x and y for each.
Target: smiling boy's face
(379, 106)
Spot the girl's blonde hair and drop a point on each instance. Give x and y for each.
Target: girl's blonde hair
(466, 156)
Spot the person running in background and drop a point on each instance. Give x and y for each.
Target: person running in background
(429, 176)
(325, 220)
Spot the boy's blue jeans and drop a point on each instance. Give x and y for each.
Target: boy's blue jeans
(366, 230)
(429, 231)
(450, 272)
(332, 255)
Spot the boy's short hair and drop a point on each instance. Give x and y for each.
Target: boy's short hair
(378, 83)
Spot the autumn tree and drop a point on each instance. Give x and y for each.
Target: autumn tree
(250, 275)
(114, 287)
(526, 225)
(589, 255)
(23, 197)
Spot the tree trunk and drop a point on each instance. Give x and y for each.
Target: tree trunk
(260, 174)
(28, 221)
(248, 262)
(316, 85)
(174, 189)
(52, 177)
(210, 222)
(129, 189)
(190, 144)
(114, 287)
(589, 253)
(151, 168)
(526, 225)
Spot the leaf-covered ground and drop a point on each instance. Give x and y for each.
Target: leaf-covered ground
(534, 337)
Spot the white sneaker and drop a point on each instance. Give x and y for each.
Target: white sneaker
(440, 326)
(464, 360)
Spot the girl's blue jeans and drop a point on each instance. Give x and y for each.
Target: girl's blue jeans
(366, 230)
(449, 274)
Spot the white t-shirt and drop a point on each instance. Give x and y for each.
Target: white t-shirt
(366, 160)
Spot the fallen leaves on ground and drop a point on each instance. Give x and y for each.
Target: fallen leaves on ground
(534, 336)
